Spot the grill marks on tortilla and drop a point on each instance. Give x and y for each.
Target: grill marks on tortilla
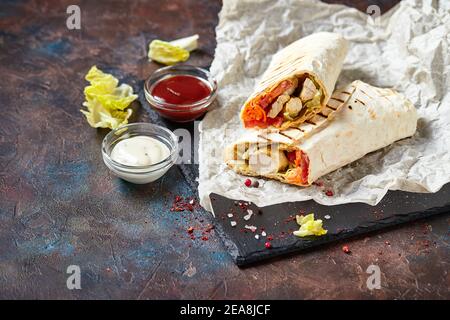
(364, 96)
(334, 103)
(326, 111)
(338, 100)
(275, 137)
(280, 72)
(318, 120)
(280, 68)
(365, 93)
(285, 135)
(359, 101)
(293, 133)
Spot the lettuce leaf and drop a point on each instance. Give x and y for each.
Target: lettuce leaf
(100, 117)
(117, 99)
(309, 226)
(105, 101)
(166, 53)
(314, 104)
(189, 43)
(102, 81)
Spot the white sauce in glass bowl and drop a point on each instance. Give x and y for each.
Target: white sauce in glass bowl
(139, 151)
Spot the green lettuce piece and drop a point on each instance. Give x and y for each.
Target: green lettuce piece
(99, 79)
(117, 99)
(188, 43)
(287, 116)
(166, 53)
(105, 101)
(314, 103)
(309, 226)
(100, 117)
(100, 83)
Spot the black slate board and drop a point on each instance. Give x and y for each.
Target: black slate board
(346, 221)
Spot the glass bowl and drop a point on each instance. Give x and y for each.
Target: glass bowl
(140, 174)
(180, 112)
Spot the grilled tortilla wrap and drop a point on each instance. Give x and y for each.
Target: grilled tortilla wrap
(360, 119)
(297, 83)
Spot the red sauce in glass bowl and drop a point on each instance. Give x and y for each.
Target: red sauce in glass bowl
(181, 89)
(180, 93)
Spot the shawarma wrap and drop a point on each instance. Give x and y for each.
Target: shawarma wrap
(357, 120)
(298, 82)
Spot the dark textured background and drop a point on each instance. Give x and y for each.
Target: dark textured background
(60, 206)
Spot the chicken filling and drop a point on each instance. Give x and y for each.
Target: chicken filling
(290, 164)
(288, 101)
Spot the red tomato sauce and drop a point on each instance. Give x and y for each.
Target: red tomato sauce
(181, 90)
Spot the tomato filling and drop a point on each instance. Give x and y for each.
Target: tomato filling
(276, 122)
(255, 115)
(300, 173)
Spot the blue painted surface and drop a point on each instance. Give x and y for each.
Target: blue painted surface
(56, 48)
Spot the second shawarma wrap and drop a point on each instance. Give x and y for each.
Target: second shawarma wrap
(358, 119)
(298, 82)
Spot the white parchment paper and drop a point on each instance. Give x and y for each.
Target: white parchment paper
(407, 49)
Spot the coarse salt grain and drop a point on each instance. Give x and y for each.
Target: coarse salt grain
(233, 223)
(249, 215)
(327, 217)
(230, 215)
(251, 228)
(256, 236)
(263, 233)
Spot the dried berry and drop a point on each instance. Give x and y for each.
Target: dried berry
(248, 183)
(329, 193)
(318, 183)
(255, 184)
(180, 204)
(268, 245)
(346, 249)
(190, 229)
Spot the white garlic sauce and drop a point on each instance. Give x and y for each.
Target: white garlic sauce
(139, 151)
